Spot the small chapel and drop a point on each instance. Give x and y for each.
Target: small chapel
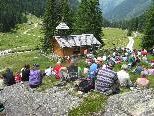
(67, 45)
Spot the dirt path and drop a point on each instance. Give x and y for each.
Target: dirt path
(131, 43)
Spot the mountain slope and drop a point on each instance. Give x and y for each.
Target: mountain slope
(109, 5)
(123, 9)
(74, 3)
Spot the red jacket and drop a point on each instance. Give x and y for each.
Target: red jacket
(17, 78)
(56, 69)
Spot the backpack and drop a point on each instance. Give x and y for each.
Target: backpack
(85, 85)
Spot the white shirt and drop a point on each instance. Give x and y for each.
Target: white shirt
(144, 58)
(126, 54)
(124, 59)
(48, 72)
(104, 58)
(124, 78)
(114, 53)
(139, 53)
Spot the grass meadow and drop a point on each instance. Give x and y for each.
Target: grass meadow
(17, 61)
(18, 37)
(115, 36)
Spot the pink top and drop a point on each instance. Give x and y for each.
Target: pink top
(142, 82)
(151, 71)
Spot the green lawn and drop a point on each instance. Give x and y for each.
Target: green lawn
(17, 38)
(17, 61)
(115, 36)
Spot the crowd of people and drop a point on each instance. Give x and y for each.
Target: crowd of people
(33, 76)
(98, 72)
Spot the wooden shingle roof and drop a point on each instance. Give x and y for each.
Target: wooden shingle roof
(77, 40)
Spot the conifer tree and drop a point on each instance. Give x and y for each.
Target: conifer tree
(148, 39)
(66, 12)
(10, 14)
(57, 11)
(89, 19)
(66, 16)
(51, 20)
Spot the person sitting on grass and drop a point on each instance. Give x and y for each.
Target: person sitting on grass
(144, 52)
(85, 71)
(107, 81)
(138, 69)
(124, 58)
(151, 70)
(145, 59)
(131, 61)
(73, 71)
(17, 77)
(25, 72)
(8, 77)
(142, 82)
(145, 70)
(56, 69)
(92, 69)
(48, 71)
(99, 62)
(124, 77)
(36, 76)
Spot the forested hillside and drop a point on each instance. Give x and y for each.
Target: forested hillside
(10, 14)
(14, 11)
(115, 10)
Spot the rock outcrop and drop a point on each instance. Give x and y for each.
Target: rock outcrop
(134, 103)
(19, 100)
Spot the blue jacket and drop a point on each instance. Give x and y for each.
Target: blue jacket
(93, 70)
